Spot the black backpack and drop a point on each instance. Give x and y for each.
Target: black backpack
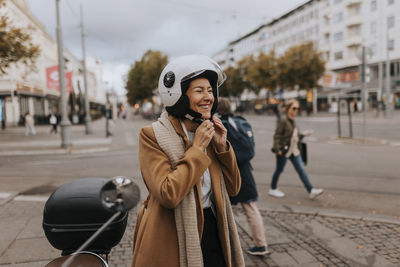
(242, 140)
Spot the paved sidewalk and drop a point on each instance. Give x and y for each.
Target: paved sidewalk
(296, 237)
(14, 142)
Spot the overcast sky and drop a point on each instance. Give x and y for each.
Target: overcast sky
(119, 32)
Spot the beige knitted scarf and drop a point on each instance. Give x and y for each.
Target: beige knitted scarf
(185, 213)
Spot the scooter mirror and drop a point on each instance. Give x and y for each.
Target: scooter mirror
(120, 194)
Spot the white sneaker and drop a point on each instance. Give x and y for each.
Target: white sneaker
(316, 192)
(276, 193)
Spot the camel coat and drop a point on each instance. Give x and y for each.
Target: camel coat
(155, 240)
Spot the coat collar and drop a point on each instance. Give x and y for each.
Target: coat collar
(176, 123)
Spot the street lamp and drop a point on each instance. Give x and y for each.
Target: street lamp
(362, 55)
(88, 126)
(108, 114)
(65, 123)
(387, 77)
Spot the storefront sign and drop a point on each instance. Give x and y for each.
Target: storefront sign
(53, 82)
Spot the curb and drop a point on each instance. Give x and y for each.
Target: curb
(332, 213)
(59, 151)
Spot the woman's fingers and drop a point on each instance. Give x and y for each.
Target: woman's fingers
(204, 134)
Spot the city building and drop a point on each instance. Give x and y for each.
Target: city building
(339, 30)
(37, 91)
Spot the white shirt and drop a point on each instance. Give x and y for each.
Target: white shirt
(293, 149)
(205, 182)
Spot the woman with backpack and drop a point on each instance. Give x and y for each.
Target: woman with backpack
(286, 146)
(240, 135)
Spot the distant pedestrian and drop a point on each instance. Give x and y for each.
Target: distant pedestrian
(53, 123)
(248, 195)
(29, 124)
(286, 146)
(277, 110)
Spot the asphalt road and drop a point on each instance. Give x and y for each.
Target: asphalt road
(358, 175)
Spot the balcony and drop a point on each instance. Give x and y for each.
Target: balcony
(324, 47)
(326, 29)
(351, 62)
(355, 40)
(353, 20)
(353, 2)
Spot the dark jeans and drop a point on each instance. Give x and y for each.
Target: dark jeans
(213, 255)
(298, 165)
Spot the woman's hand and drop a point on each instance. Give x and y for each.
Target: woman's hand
(220, 134)
(203, 135)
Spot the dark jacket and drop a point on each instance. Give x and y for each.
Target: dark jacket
(248, 190)
(283, 133)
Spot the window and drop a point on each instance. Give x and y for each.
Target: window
(326, 39)
(356, 30)
(338, 17)
(338, 37)
(373, 27)
(373, 50)
(326, 20)
(357, 9)
(391, 45)
(327, 56)
(338, 55)
(390, 2)
(391, 22)
(373, 5)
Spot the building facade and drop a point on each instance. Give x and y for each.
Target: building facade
(339, 30)
(25, 90)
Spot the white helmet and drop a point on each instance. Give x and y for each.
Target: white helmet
(176, 77)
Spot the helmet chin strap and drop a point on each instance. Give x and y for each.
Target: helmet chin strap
(195, 116)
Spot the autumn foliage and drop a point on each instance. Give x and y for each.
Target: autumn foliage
(16, 45)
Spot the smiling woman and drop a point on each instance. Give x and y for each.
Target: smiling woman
(190, 171)
(201, 98)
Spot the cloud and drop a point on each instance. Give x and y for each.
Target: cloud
(121, 31)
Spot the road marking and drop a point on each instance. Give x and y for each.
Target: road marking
(56, 143)
(6, 194)
(317, 119)
(335, 143)
(90, 150)
(52, 151)
(6, 197)
(31, 198)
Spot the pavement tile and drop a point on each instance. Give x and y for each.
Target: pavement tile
(26, 264)
(274, 236)
(283, 259)
(316, 229)
(356, 253)
(27, 250)
(302, 256)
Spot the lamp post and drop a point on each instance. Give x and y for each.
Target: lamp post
(362, 55)
(108, 114)
(65, 123)
(88, 125)
(387, 77)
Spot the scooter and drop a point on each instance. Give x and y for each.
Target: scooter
(86, 218)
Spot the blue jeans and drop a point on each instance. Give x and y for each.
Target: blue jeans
(298, 165)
